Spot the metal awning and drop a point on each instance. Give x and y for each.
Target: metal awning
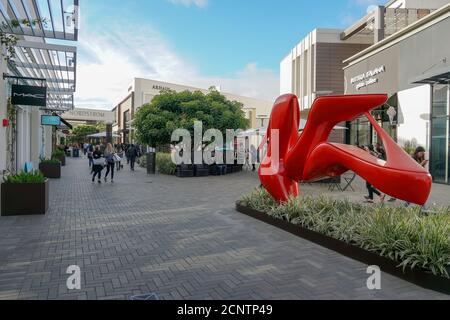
(56, 19)
(34, 57)
(440, 76)
(55, 63)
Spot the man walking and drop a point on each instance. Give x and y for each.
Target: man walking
(132, 154)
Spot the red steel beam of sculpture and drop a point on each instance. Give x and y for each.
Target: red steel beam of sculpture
(293, 157)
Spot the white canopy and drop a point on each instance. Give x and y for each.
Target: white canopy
(102, 135)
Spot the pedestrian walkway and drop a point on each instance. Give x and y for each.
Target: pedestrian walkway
(176, 238)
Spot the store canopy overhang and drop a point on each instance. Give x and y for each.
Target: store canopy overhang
(35, 58)
(55, 63)
(52, 19)
(439, 76)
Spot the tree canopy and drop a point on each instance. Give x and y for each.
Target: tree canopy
(168, 111)
(79, 133)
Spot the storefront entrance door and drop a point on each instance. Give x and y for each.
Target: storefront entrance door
(440, 134)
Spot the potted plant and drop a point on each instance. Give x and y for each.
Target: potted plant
(59, 155)
(25, 194)
(50, 168)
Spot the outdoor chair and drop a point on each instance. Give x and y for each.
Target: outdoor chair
(335, 183)
(349, 179)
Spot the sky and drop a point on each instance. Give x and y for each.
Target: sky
(234, 44)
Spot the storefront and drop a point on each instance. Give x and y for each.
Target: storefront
(413, 68)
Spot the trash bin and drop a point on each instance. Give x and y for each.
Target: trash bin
(151, 163)
(76, 153)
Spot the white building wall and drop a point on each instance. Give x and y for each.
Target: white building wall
(414, 114)
(286, 75)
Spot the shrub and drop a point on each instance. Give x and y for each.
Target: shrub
(142, 162)
(164, 164)
(58, 154)
(401, 234)
(50, 161)
(24, 177)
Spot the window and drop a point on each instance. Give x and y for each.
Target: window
(440, 134)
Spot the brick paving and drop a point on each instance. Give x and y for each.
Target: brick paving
(177, 238)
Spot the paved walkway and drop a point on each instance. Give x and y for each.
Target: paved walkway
(180, 239)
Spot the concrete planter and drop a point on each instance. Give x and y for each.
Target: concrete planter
(25, 198)
(51, 171)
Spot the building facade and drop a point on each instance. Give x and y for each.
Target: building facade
(142, 91)
(413, 67)
(401, 49)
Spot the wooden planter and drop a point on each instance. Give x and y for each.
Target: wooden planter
(25, 198)
(417, 276)
(51, 171)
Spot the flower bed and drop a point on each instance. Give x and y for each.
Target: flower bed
(403, 241)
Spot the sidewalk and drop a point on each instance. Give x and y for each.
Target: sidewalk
(177, 238)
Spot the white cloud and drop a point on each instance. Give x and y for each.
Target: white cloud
(108, 62)
(188, 3)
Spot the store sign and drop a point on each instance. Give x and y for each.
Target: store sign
(89, 115)
(160, 88)
(50, 121)
(368, 78)
(29, 95)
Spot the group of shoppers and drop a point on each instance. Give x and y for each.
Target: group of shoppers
(379, 152)
(110, 157)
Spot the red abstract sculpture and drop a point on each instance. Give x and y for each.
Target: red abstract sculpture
(293, 157)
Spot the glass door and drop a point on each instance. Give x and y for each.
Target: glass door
(440, 134)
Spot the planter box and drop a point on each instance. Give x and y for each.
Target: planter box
(62, 159)
(418, 277)
(51, 171)
(185, 171)
(25, 199)
(201, 170)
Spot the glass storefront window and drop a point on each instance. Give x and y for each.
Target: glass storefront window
(440, 134)
(362, 133)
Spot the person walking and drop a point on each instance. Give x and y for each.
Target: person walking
(132, 154)
(90, 155)
(99, 163)
(254, 155)
(119, 157)
(419, 157)
(110, 162)
(370, 149)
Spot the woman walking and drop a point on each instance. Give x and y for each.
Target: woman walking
(110, 162)
(419, 156)
(119, 157)
(98, 164)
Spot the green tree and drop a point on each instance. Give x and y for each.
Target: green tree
(79, 133)
(155, 122)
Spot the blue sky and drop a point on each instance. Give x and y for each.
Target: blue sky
(237, 44)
